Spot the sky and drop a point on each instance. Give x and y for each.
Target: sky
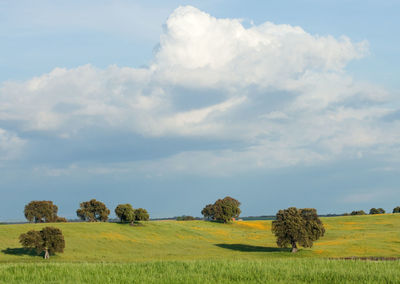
(170, 105)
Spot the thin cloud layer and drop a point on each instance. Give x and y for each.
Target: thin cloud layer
(261, 97)
(10, 145)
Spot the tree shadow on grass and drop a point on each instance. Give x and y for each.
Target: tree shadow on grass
(19, 251)
(250, 248)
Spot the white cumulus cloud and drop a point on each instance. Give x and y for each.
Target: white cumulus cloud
(274, 94)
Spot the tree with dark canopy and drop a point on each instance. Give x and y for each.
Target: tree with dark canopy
(396, 209)
(297, 226)
(125, 213)
(141, 215)
(93, 211)
(207, 211)
(223, 210)
(359, 212)
(41, 211)
(377, 211)
(49, 240)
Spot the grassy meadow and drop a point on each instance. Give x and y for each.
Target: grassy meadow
(179, 251)
(206, 271)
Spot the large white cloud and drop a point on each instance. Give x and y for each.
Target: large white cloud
(198, 49)
(280, 92)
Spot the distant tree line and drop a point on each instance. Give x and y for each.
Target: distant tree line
(185, 218)
(372, 211)
(89, 211)
(223, 210)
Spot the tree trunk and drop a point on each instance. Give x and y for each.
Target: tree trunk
(294, 247)
(46, 254)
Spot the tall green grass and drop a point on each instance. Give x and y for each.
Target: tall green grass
(206, 271)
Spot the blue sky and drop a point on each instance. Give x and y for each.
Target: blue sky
(169, 105)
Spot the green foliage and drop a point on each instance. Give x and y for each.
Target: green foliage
(207, 211)
(125, 213)
(49, 240)
(185, 218)
(297, 226)
(223, 210)
(377, 211)
(396, 209)
(359, 212)
(41, 211)
(93, 211)
(60, 220)
(32, 240)
(141, 215)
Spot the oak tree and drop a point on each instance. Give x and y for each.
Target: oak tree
(294, 227)
(207, 211)
(358, 212)
(377, 211)
(125, 213)
(223, 210)
(141, 215)
(93, 211)
(41, 211)
(48, 240)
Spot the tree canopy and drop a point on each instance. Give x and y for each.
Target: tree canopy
(48, 240)
(377, 211)
(223, 210)
(41, 211)
(297, 226)
(359, 212)
(207, 211)
(93, 211)
(396, 209)
(125, 213)
(141, 215)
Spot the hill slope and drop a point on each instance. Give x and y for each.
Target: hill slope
(377, 235)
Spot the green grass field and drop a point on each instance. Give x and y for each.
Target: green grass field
(201, 252)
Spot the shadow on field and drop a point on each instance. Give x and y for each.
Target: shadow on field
(19, 251)
(250, 248)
